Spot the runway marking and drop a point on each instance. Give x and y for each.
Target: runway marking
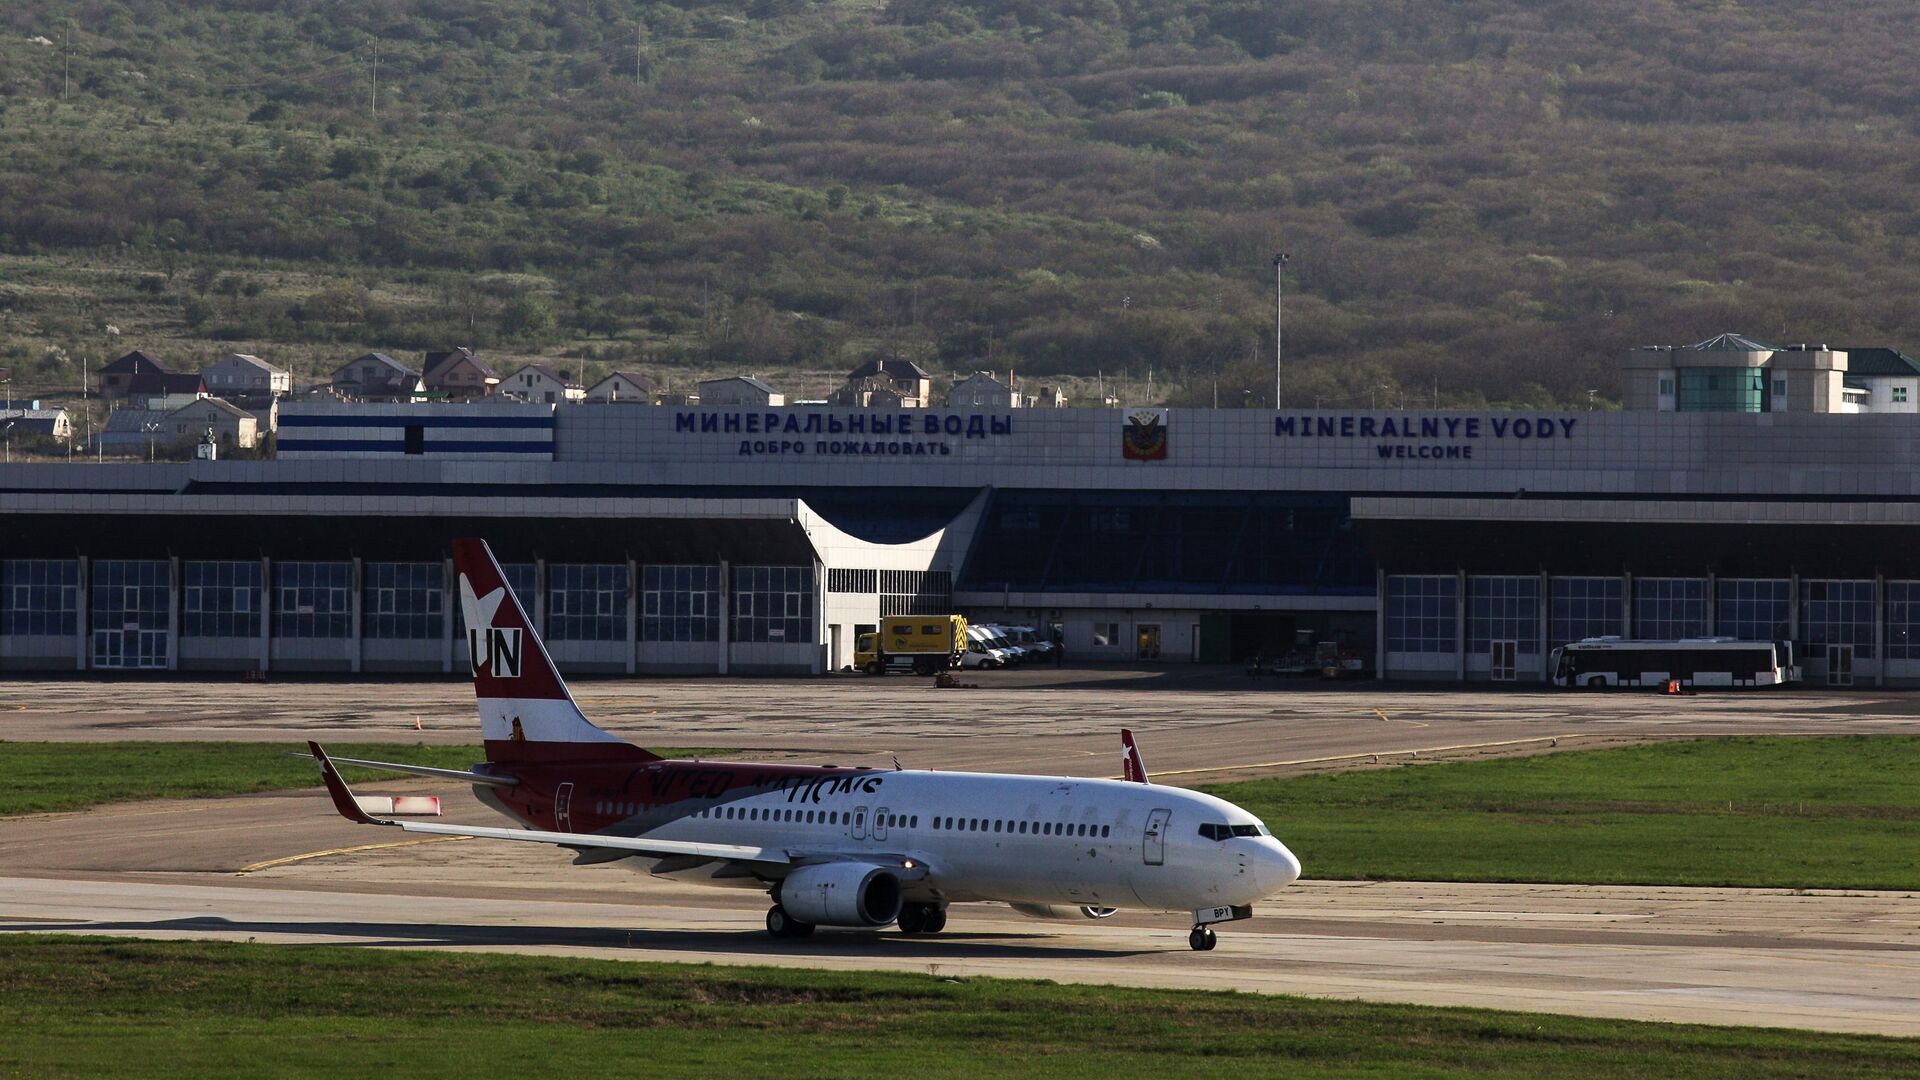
(270, 863)
(1555, 739)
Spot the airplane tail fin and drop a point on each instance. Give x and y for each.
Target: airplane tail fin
(1132, 766)
(527, 715)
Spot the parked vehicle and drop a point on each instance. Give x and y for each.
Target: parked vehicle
(924, 643)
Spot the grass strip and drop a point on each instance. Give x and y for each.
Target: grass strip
(99, 1007)
(40, 777)
(1766, 812)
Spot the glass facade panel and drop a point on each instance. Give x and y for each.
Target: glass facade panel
(1715, 389)
(1666, 609)
(1752, 609)
(130, 603)
(1837, 613)
(1421, 613)
(587, 602)
(1121, 541)
(220, 599)
(1584, 607)
(40, 596)
(1503, 609)
(1903, 620)
(773, 603)
(406, 601)
(680, 603)
(312, 599)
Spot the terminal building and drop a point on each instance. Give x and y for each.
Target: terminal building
(1440, 545)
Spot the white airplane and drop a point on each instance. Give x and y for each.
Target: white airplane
(831, 845)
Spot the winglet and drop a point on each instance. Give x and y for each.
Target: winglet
(1132, 767)
(343, 799)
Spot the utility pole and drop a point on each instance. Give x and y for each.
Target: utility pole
(66, 64)
(374, 100)
(639, 54)
(1279, 324)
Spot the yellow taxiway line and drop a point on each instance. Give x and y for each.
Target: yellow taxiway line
(270, 863)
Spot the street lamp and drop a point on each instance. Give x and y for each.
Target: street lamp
(1279, 309)
(150, 426)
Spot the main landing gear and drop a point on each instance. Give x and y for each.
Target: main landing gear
(916, 919)
(1203, 938)
(782, 925)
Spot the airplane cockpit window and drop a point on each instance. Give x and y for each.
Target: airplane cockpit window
(1246, 830)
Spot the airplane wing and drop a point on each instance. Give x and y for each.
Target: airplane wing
(349, 808)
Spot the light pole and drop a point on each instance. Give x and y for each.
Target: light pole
(1279, 324)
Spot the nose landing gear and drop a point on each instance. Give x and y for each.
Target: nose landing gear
(1203, 938)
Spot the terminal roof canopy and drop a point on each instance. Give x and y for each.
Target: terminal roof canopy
(1729, 343)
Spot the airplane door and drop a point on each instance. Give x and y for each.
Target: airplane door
(563, 808)
(859, 823)
(879, 823)
(1155, 851)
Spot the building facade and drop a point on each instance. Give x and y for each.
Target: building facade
(763, 538)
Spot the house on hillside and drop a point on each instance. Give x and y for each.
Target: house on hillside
(908, 380)
(376, 377)
(1880, 380)
(739, 390)
(48, 423)
(131, 433)
(624, 386)
(458, 375)
(240, 375)
(137, 376)
(541, 384)
(981, 390)
(232, 426)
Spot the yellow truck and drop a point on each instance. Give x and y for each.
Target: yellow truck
(926, 643)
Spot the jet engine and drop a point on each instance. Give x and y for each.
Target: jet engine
(842, 894)
(1063, 911)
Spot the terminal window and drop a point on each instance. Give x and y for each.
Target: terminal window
(773, 603)
(1421, 613)
(1584, 607)
(405, 601)
(679, 603)
(1838, 613)
(39, 596)
(131, 601)
(1903, 620)
(1106, 634)
(587, 602)
(1753, 609)
(1717, 389)
(1503, 609)
(1665, 609)
(312, 599)
(221, 599)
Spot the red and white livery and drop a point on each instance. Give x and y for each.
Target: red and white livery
(831, 845)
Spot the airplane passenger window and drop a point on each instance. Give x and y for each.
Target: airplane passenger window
(1104, 829)
(913, 822)
(996, 825)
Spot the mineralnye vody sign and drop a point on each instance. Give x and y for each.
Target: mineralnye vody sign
(1425, 438)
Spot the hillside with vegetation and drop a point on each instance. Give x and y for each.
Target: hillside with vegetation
(1484, 201)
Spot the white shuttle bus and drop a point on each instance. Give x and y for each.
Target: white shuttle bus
(1599, 662)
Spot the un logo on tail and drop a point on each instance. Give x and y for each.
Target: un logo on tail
(495, 648)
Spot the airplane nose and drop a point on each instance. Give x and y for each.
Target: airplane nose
(1281, 866)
